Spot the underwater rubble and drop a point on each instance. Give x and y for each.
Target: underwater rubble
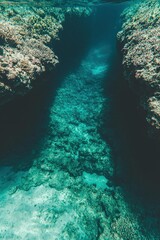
(140, 46)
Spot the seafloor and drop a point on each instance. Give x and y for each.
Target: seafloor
(75, 157)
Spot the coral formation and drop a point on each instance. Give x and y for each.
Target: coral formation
(24, 54)
(27, 35)
(68, 192)
(140, 44)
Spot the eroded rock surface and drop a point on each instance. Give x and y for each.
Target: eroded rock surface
(26, 45)
(140, 44)
(24, 49)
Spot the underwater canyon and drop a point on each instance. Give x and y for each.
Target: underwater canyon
(77, 157)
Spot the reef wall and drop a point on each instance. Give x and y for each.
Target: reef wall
(139, 42)
(27, 35)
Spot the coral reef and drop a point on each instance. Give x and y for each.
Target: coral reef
(68, 192)
(24, 54)
(27, 34)
(140, 45)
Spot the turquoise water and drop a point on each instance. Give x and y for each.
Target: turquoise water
(66, 3)
(70, 148)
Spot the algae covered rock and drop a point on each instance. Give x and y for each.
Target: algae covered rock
(27, 36)
(24, 54)
(140, 45)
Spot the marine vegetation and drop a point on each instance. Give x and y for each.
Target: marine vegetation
(140, 45)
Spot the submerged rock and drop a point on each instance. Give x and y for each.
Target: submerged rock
(140, 45)
(27, 35)
(24, 50)
(68, 192)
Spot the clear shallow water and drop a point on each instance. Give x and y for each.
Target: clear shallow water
(72, 146)
(58, 173)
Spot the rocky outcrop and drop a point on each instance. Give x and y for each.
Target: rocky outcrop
(24, 49)
(27, 34)
(140, 46)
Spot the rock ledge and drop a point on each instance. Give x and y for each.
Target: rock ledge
(140, 46)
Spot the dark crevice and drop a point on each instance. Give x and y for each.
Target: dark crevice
(136, 155)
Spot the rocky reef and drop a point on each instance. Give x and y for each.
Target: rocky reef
(24, 49)
(140, 45)
(27, 34)
(69, 192)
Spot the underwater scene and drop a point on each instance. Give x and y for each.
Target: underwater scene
(80, 120)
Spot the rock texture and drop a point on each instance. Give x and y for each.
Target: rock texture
(24, 49)
(140, 45)
(27, 34)
(68, 192)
